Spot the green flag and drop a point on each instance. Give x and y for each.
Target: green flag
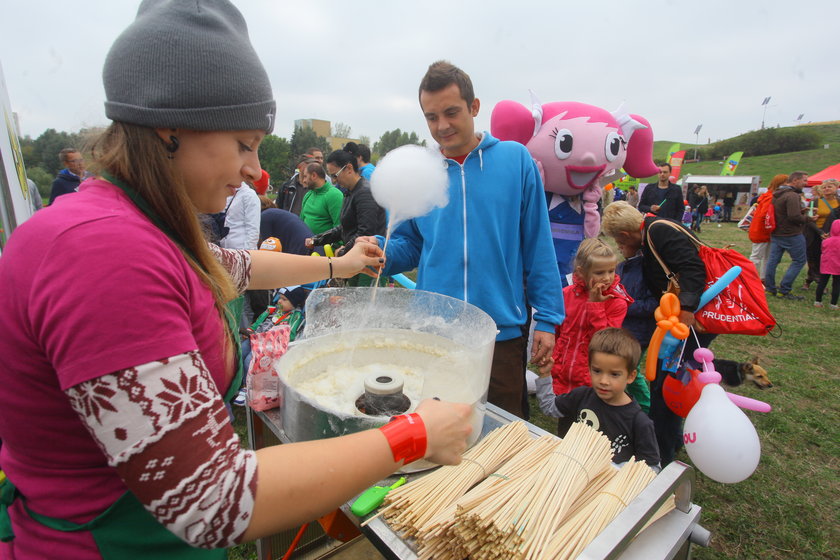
(731, 163)
(626, 182)
(672, 150)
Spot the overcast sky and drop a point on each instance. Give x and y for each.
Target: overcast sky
(677, 63)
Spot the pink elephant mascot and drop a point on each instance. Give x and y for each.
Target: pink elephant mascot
(578, 148)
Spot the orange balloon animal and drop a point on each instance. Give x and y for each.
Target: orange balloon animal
(667, 320)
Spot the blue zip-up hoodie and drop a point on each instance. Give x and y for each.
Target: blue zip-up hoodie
(489, 242)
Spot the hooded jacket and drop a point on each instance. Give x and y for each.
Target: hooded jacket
(65, 183)
(583, 319)
(491, 241)
(288, 228)
(787, 203)
(830, 260)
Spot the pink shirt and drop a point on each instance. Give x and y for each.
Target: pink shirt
(88, 286)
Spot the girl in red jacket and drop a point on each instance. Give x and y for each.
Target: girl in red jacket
(595, 300)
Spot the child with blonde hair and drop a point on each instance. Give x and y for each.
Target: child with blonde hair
(595, 300)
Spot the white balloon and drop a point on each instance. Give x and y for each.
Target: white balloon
(409, 182)
(719, 438)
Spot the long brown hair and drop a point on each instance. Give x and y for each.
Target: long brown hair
(136, 155)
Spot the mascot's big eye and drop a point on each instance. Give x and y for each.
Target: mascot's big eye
(563, 143)
(613, 146)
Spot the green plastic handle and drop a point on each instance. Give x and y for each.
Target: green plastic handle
(372, 498)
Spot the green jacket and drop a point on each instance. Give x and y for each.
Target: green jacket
(321, 208)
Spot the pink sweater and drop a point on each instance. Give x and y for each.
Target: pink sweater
(830, 261)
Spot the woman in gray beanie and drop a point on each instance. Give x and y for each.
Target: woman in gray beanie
(114, 326)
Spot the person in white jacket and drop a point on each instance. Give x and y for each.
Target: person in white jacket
(243, 221)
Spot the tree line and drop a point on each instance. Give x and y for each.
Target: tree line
(277, 154)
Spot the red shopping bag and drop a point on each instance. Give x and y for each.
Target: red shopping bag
(741, 308)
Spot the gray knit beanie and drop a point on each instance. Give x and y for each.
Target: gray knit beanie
(188, 64)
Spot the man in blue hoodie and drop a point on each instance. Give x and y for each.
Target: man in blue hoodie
(492, 242)
(69, 178)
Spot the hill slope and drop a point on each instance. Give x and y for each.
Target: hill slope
(811, 161)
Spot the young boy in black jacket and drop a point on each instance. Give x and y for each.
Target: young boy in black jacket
(606, 405)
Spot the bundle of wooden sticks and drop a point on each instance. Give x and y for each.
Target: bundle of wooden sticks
(515, 496)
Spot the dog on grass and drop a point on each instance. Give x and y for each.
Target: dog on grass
(735, 373)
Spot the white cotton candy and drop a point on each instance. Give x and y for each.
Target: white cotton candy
(409, 182)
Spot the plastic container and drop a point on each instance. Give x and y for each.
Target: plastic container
(440, 346)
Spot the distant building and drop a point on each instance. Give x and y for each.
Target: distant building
(324, 128)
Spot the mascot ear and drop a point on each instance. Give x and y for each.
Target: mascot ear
(512, 121)
(639, 162)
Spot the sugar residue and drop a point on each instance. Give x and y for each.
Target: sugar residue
(338, 388)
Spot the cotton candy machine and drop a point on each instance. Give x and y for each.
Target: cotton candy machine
(360, 362)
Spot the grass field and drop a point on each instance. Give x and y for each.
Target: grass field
(789, 507)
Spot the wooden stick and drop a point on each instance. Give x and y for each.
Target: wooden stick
(549, 498)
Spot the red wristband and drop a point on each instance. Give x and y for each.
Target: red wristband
(406, 434)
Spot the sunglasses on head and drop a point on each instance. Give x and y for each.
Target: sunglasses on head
(334, 176)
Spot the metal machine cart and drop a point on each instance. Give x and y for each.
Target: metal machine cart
(669, 537)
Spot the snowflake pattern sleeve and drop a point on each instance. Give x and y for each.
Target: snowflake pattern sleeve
(238, 264)
(164, 428)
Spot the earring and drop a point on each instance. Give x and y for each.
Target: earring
(172, 147)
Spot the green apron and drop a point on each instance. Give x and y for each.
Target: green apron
(123, 531)
(126, 530)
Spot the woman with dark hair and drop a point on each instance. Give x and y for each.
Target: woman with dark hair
(362, 153)
(360, 214)
(118, 339)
